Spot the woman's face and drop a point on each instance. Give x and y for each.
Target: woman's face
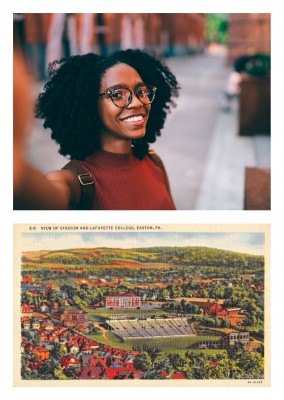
(122, 123)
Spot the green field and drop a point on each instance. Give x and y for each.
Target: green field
(168, 345)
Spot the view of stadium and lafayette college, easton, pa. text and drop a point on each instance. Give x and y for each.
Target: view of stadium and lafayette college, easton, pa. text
(167, 302)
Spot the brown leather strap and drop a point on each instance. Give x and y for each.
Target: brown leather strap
(156, 159)
(87, 185)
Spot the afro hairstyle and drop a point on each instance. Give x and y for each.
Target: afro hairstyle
(69, 101)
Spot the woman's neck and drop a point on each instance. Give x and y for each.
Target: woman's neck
(116, 146)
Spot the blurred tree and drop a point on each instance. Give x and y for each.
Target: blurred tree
(216, 28)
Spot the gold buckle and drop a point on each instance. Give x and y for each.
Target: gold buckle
(85, 183)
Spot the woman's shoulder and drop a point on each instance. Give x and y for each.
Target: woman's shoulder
(155, 158)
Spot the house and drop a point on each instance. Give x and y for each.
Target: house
(90, 346)
(42, 335)
(80, 329)
(36, 325)
(54, 336)
(27, 311)
(69, 360)
(74, 349)
(26, 323)
(88, 372)
(34, 365)
(121, 373)
(86, 358)
(47, 325)
(41, 353)
(27, 279)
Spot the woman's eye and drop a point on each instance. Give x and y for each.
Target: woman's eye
(143, 92)
(117, 95)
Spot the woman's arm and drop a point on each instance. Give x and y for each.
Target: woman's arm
(58, 190)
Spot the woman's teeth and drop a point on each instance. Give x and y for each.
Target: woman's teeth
(133, 119)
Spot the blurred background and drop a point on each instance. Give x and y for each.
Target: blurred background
(216, 143)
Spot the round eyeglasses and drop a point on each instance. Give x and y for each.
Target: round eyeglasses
(122, 96)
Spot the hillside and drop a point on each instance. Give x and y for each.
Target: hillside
(139, 258)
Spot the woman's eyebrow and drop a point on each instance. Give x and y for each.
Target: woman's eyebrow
(124, 85)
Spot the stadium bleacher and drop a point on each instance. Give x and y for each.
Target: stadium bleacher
(151, 327)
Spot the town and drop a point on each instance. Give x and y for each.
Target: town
(98, 314)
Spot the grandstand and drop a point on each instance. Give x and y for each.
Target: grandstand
(150, 327)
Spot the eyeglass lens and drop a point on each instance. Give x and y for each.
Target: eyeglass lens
(121, 96)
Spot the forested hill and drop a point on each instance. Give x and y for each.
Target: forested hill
(150, 256)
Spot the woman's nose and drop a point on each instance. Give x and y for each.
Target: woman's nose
(135, 102)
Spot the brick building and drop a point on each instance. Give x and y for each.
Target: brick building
(248, 34)
(70, 317)
(167, 34)
(123, 301)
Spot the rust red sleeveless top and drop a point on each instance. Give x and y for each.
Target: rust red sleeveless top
(122, 182)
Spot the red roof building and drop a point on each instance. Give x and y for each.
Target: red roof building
(89, 372)
(69, 360)
(41, 353)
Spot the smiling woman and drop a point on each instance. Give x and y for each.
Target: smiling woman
(104, 112)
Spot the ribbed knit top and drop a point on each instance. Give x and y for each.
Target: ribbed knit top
(123, 182)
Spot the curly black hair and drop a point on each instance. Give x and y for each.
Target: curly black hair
(69, 103)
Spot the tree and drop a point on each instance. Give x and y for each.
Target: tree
(252, 364)
(58, 351)
(236, 351)
(178, 362)
(220, 371)
(47, 368)
(81, 304)
(154, 352)
(71, 372)
(59, 373)
(162, 363)
(143, 362)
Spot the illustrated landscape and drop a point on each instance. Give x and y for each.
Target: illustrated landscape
(161, 313)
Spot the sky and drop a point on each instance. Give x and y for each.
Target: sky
(244, 242)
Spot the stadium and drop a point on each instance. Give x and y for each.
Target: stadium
(150, 327)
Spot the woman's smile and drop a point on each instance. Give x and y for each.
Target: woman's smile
(134, 119)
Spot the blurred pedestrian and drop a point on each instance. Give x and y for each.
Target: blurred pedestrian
(104, 112)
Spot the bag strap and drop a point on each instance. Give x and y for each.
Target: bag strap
(156, 159)
(87, 185)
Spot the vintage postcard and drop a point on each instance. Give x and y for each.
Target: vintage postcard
(167, 305)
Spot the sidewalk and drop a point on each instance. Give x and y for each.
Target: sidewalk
(223, 182)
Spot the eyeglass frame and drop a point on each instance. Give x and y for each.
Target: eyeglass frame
(109, 92)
